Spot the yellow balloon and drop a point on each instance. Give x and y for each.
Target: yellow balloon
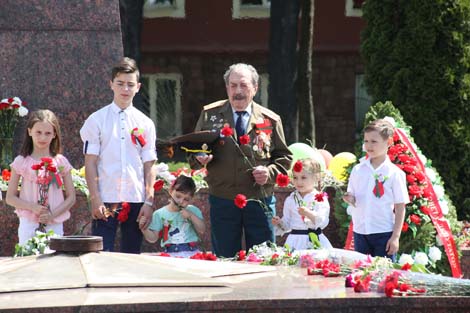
(339, 163)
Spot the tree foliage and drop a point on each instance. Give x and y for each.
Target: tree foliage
(417, 54)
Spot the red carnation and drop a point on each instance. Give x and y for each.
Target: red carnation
(244, 140)
(46, 160)
(389, 288)
(319, 197)
(240, 201)
(415, 219)
(396, 137)
(425, 209)
(298, 167)
(410, 179)
(415, 190)
(408, 168)
(406, 267)
(241, 255)
(404, 158)
(227, 131)
(427, 192)
(420, 176)
(405, 227)
(51, 168)
(36, 167)
(158, 185)
(124, 212)
(6, 175)
(282, 180)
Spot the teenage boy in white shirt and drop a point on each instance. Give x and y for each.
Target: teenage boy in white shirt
(120, 157)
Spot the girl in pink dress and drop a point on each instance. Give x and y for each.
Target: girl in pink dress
(40, 158)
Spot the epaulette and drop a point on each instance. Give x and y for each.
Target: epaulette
(270, 114)
(214, 105)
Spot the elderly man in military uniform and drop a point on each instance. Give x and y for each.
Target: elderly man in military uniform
(245, 163)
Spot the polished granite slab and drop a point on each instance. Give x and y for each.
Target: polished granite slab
(288, 289)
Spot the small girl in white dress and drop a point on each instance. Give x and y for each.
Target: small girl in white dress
(306, 209)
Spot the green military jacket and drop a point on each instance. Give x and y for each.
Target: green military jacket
(229, 172)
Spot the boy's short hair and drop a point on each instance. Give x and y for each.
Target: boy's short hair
(184, 184)
(383, 127)
(125, 65)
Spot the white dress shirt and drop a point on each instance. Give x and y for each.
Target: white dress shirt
(372, 215)
(107, 134)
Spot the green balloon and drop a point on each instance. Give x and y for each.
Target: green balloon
(303, 151)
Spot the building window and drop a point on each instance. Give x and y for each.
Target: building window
(162, 95)
(354, 8)
(363, 102)
(251, 9)
(164, 8)
(261, 96)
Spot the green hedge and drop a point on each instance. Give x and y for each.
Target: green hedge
(417, 54)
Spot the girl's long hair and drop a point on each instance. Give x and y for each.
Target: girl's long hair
(42, 116)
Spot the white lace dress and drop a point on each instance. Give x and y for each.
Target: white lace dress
(291, 219)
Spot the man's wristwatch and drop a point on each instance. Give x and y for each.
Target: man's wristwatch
(149, 203)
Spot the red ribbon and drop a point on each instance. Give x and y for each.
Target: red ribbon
(378, 188)
(435, 213)
(136, 137)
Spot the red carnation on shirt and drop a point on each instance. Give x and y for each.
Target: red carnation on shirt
(244, 140)
(321, 196)
(227, 131)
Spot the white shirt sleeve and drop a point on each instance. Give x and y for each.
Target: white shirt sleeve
(400, 190)
(148, 152)
(90, 134)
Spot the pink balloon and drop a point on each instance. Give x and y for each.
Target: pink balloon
(326, 156)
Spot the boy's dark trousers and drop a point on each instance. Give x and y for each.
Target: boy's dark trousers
(131, 235)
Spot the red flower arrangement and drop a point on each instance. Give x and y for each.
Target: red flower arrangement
(204, 256)
(46, 174)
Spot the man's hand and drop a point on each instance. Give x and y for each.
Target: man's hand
(145, 216)
(261, 174)
(204, 159)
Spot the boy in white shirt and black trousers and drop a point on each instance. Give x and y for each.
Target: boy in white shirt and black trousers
(120, 154)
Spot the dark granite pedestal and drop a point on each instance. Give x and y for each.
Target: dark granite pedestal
(285, 290)
(58, 55)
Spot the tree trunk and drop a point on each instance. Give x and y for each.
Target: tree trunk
(304, 78)
(131, 27)
(283, 64)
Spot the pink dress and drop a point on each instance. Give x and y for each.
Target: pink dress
(29, 188)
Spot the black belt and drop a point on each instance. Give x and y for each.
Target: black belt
(306, 231)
